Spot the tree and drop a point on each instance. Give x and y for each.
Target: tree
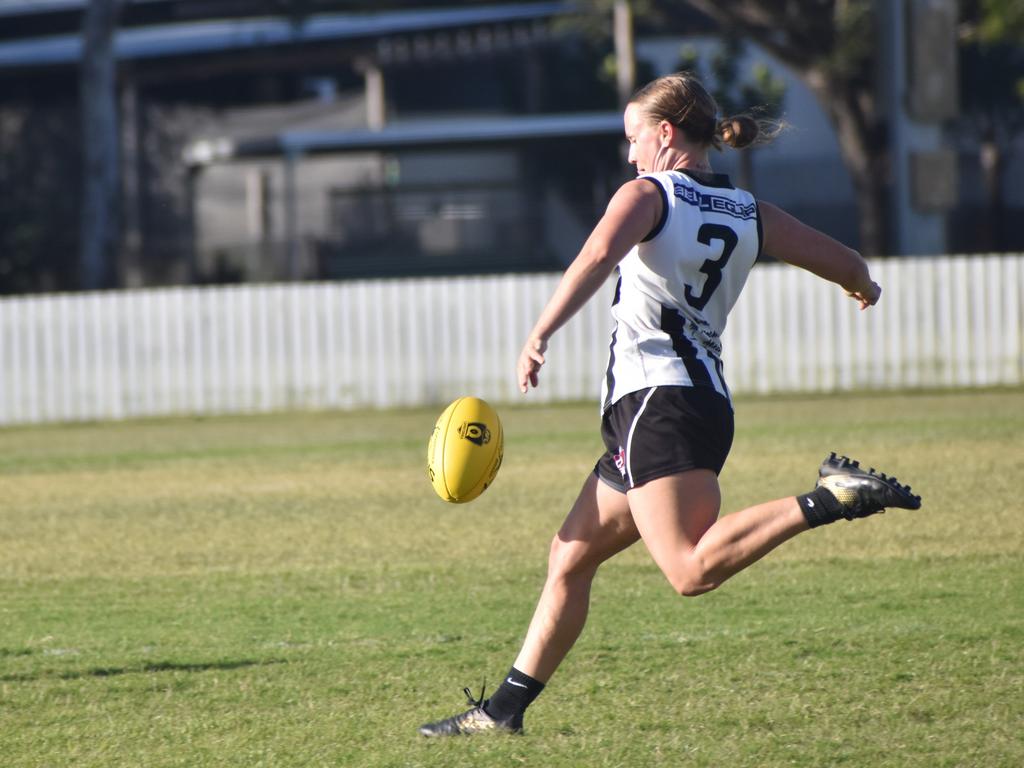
(100, 145)
(759, 93)
(992, 84)
(996, 20)
(38, 250)
(830, 45)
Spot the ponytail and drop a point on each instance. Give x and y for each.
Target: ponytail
(741, 131)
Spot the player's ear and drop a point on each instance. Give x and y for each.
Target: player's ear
(665, 132)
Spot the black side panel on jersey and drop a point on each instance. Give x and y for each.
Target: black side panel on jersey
(760, 232)
(609, 375)
(674, 325)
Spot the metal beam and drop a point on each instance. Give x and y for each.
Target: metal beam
(169, 40)
(426, 134)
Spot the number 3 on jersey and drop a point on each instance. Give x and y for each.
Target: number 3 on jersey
(712, 267)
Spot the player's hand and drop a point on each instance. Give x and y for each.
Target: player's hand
(530, 361)
(866, 297)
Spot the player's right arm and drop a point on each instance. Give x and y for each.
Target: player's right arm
(631, 215)
(789, 239)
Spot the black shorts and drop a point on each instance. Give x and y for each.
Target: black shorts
(660, 431)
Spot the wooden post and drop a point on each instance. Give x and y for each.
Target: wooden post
(131, 188)
(100, 144)
(625, 58)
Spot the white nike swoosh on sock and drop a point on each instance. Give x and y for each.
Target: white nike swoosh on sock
(510, 681)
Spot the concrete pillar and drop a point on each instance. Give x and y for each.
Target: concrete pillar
(923, 168)
(376, 103)
(291, 214)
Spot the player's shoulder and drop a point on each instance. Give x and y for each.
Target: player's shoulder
(642, 191)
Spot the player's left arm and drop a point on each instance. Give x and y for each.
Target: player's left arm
(788, 239)
(632, 213)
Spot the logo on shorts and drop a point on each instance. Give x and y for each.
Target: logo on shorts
(475, 432)
(620, 460)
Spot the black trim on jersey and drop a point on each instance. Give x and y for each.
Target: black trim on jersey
(609, 376)
(664, 210)
(760, 231)
(674, 324)
(720, 180)
(720, 369)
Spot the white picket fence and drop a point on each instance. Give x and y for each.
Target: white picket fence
(943, 322)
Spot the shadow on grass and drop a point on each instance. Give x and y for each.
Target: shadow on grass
(159, 666)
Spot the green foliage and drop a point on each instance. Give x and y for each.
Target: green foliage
(992, 56)
(592, 29)
(286, 590)
(762, 92)
(757, 91)
(855, 41)
(39, 168)
(594, 20)
(991, 67)
(1002, 21)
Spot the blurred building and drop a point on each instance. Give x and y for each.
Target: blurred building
(294, 140)
(335, 144)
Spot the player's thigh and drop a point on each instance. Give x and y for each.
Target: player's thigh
(598, 526)
(672, 513)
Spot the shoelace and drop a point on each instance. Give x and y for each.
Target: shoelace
(469, 695)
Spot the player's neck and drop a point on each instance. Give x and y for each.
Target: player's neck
(696, 161)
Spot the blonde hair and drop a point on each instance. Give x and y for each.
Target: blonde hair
(684, 102)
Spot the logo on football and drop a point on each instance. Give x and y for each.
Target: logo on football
(475, 432)
(465, 450)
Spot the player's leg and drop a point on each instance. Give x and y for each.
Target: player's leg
(598, 526)
(677, 517)
(676, 440)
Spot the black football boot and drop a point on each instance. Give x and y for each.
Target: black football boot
(472, 721)
(863, 492)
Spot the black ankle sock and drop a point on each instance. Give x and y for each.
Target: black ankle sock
(820, 507)
(513, 696)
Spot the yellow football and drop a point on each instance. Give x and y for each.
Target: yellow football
(465, 450)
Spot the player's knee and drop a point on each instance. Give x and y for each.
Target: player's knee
(694, 589)
(692, 579)
(567, 558)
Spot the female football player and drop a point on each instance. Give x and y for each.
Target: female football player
(684, 240)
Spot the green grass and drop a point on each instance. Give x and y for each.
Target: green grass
(287, 591)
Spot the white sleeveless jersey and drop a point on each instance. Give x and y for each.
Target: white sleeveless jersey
(676, 288)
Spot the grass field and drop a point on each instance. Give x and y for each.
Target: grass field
(287, 591)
